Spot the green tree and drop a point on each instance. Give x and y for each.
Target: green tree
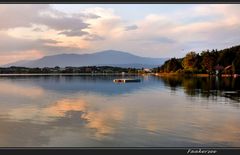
(173, 65)
(226, 57)
(191, 62)
(236, 64)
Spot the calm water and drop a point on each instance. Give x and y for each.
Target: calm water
(92, 111)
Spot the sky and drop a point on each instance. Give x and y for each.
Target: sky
(32, 31)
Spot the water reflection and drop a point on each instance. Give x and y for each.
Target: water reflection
(10, 88)
(205, 86)
(74, 84)
(47, 112)
(71, 115)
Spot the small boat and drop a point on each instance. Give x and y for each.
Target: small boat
(126, 80)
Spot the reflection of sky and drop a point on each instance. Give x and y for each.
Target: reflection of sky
(73, 84)
(148, 117)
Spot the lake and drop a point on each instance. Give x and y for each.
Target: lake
(92, 111)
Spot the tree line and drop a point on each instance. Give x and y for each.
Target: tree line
(226, 61)
(57, 69)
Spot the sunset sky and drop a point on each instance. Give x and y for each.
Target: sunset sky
(156, 30)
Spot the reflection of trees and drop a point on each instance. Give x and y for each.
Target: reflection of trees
(173, 82)
(205, 86)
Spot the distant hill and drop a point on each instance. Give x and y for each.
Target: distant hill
(103, 58)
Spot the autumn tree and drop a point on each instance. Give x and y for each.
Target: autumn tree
(208, 61)
(191, 61)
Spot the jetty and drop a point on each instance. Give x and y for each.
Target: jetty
(126, 80)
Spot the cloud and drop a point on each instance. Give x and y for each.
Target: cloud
(163, 40)
(107, 25)
(40, 28)
(164, 34)
(10, 57)
(160, 40)
(28, 15)
(67, 25)
(19, 15)
(208, 26)
(14, 49)
(37, 29)
(131, 27)
(11, 44)
(73, 33)
(85, 15)
(47, 41)
(93, 37)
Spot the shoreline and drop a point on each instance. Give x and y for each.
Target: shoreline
(66, 74)
(195, 75)
(119, 74)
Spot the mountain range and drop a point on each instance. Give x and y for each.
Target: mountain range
(104, 58)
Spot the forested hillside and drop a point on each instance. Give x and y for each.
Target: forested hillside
(223, 61)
